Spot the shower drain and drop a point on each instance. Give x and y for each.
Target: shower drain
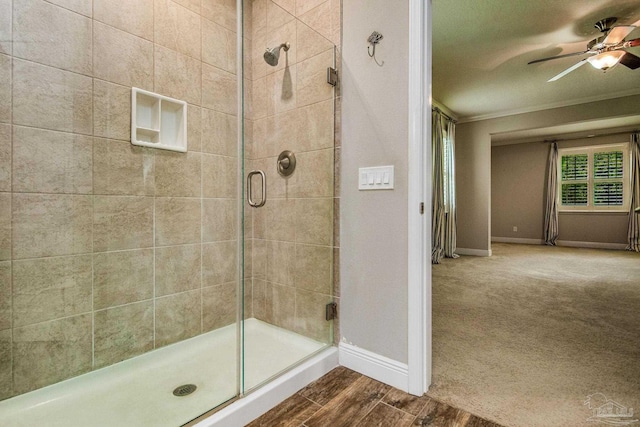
(184, 390)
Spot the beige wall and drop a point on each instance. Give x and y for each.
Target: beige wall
(109, 250)
(473, 158)
(292, 108)
(374, 226)
(518, 181)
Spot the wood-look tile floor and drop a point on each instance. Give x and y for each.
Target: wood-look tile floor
(344, 398)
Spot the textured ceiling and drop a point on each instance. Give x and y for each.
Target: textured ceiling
(481, 49)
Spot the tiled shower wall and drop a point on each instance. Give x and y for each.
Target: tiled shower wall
(108, 250)
(293, 108)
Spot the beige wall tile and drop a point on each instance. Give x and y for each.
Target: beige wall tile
(50, 225)
(222, 12)
(49, 98)
(259, 259)
(177, 174)
(5, 157)
(122, 58)
(259, 99)
(51, 288)
(312, 268)
(177, 75)
(83, 7)
(177, 221)
(310, 315)
(336, 22)
(177, 28)
(51, 162)
(312, 83)
(64, 344)
(314, 221)
(122, 223)
(310, 42)
(281, 90)
(123, 332)
(194, 128)
(122, 277)
(111, 110)
(194, 5)
(5, 296)
(219, 176)
(280, 262)
(177, 269)
(5, 26)
(259, 304)
(219, 46)
(248, 300)
(277, 16)
(303, 6)
(281, 300)
(218, 306)
(67, 47)
(219, 90)
(6, 368)
(5, 88)
(319, 18)
(336, 221)
(219, 219)
(314, 171)
(258, 15)
(315, 126)
(5, 227)
(258, 45)
(219, 133)
(178, 317)
(280, 220)
(135, 17)
(120, 168)
(288, 5)
(219, 263)
(282, 134)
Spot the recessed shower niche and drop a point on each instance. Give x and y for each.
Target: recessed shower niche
(158, 121)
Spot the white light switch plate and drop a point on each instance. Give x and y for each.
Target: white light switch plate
(375, 178)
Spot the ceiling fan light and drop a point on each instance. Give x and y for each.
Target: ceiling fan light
(606, 60)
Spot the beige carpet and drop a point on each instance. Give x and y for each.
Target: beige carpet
(523, 337)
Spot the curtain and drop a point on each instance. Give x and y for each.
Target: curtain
(633, 233)
(450, 192)
(443, 219)
(551, 203)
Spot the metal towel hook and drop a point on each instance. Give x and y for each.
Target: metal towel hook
(374, 39)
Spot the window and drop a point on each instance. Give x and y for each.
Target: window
(594, 178)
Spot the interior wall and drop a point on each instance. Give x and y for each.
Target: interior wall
(291, 107)
(374, 226)
(473, 158)
(518, 181)
(108, 250)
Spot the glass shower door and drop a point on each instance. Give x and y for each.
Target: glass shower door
(289, 179)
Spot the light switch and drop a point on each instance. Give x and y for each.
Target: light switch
(376, 178)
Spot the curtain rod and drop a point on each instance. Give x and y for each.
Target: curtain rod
(444, 114)
(548, 141)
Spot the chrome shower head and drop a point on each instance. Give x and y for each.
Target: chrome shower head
(271, 55)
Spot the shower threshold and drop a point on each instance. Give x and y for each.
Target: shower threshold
(139, 391)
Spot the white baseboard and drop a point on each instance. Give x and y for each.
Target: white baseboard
(473, 252)
(517, 240)
(592, 245)
(373, 365)
(250, 407)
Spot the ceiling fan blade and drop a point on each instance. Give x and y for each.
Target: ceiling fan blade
(617, 34)
(566, 55)
(568, 70)
(629, 60)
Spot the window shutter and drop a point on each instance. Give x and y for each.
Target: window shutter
(575, 167)
(608, 165)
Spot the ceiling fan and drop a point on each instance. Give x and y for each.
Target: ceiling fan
(605, 51)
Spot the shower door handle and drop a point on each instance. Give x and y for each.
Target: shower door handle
(250, 189)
